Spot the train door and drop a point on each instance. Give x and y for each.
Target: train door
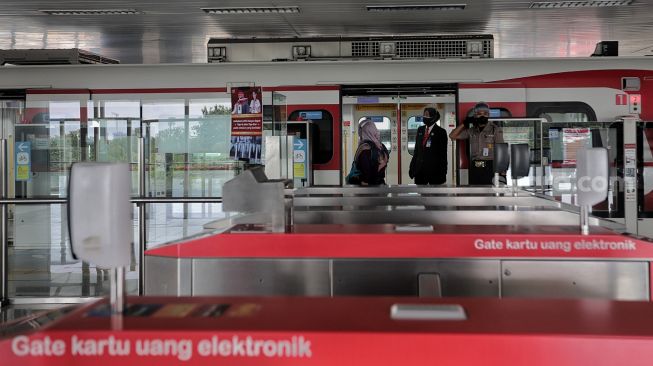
(397, 117)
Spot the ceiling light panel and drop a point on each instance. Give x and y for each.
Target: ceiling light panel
(252, 10)
(92, 12)
(440, 7)
(579, 4)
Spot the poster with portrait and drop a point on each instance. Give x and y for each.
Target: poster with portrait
(246, 124)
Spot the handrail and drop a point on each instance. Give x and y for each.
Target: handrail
(55, 201)
(140, 201)
(4, 227)
(177, 200)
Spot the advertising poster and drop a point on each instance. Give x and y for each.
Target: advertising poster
(574, 139)
(630, 171)
(246, 124)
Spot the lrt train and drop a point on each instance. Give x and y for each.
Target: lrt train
(553, 97)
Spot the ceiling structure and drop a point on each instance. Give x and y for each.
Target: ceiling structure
(174, 31)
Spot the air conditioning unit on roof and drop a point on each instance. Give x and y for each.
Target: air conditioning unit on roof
(356, 48)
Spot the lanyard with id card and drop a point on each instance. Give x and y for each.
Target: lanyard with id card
(486, 150)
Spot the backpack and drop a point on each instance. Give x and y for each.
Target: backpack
(354, 176)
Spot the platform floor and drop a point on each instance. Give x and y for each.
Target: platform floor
(9, 314)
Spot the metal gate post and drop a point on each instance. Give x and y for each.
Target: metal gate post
(4, 226)
(630, 176)
(142, 231)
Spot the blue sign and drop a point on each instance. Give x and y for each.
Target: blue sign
(300, 158)
(495, 113)
(310, 115)
(367, 100)
(23, 160)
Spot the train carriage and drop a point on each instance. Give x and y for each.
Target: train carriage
(177, 106)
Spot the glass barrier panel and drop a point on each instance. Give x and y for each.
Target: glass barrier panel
(174, 221)
(523, 131)
(49, 139)
(561, 142)
(40, 259)
(188, 147)
(12, 113)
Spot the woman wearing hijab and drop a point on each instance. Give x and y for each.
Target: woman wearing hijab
(372, 156)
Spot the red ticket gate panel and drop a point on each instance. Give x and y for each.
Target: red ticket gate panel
(341, 331)
(443, 241)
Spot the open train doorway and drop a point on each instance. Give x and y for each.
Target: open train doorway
(397, 113)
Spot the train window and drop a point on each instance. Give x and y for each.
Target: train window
(322, 133)
(383, 125)
(495, 112)
(565, 117)
(561, 111)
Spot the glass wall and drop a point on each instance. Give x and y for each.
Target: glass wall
(186, 142)
(553, 147)
(560, 143)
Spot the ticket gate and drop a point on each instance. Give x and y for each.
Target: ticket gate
(345, 330)
(408, 241)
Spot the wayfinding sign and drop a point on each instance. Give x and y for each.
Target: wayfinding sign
(300, 152)
(23, 161)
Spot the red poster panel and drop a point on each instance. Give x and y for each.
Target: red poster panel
(246, 124)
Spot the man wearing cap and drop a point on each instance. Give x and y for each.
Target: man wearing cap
(482, 135)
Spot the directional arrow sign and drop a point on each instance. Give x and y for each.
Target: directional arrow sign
(23, 160)
(23, 146)
(300, 162)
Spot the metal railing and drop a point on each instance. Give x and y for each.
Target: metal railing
(141, 201)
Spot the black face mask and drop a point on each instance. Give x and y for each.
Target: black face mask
(480, 121)
(429, 121)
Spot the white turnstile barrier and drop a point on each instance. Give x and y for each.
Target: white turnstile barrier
(591, 181)
(99, 219)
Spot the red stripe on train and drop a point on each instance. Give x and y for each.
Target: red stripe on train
(570, 79)
(302, 88)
